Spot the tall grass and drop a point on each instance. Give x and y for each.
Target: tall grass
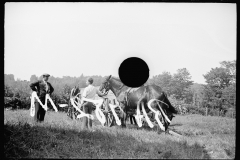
(60, 137)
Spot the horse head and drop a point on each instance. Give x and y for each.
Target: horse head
(167, 106)
(105, 86)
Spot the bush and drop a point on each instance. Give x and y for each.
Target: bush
(194, 110)
(12, 102)
(8, 102)
(25, 103)
(176, 103)
(230, 113)
(213, 112)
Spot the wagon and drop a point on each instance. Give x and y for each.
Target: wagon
(110, 119)
(74, 112)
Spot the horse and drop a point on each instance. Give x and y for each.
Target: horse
(132, 98)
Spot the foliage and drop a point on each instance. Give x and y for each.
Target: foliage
(163, 80)
(218, 95)
(229, 95)
(8, 91)
(8, 78)
(231, 113)
(177, 84)
(231, 69)
(33, 78)
(11, 102)
(179, 105)
(220, 91)
(218, 78)
(180, 82)
(213, 112)
(195, 110)
(20, 90)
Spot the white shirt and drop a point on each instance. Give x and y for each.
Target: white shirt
(89, 92)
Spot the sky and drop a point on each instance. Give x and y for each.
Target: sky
(70, 39)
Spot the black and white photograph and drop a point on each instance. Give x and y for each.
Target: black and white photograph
(120, 80)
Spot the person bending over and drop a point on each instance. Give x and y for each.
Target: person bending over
(89, 92)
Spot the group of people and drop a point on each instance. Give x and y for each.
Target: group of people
(43, 87)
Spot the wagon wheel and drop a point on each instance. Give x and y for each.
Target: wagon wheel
(76, 113)
(108, 114)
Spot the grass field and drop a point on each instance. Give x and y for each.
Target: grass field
(60, 137)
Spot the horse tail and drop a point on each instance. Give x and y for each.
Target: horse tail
(164, 115)
(171, 108)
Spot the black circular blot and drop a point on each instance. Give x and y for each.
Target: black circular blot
(133, 72)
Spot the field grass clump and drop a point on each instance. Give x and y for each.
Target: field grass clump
(24, 141)
(60, 137)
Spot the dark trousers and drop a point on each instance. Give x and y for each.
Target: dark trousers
(87, 108)
(132, 119)
(39, 112)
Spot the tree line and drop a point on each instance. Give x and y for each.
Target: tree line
(215, 97)
(17, 92)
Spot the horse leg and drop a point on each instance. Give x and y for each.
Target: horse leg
(123, 115)
(124, 119)
(134, 120)
(138, 110)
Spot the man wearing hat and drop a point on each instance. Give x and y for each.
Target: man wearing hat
(89, 92)
(42, 87)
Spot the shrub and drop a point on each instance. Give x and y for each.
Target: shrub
(213, 112)
(231, 113)
(12, 102)
(201, 111)
(194, 110)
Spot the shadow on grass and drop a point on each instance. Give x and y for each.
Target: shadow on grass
(155, 128)
(230, 152)
(176, 124)
(23, 141)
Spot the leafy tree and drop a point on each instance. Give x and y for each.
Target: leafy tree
(221, 77)
(218, 78)
(229, 95)
(8, 92)
(188, 95)
(197, 91)
(9, 78)
(231, 69)
(163, 80)
(180, 82)
(221, 85)
(33, 78)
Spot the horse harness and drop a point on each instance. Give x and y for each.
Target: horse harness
(130, 90)
(127, 93)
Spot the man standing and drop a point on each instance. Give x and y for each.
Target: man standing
(89, 92)
(42, 87)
